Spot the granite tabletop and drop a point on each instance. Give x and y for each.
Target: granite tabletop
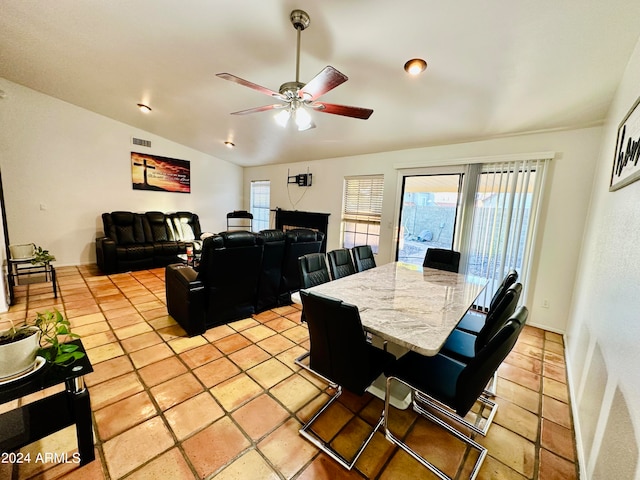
(411, 306)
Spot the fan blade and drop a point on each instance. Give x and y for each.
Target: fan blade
(259, 109)
(328, 79)
(344, 110)
(247, 83)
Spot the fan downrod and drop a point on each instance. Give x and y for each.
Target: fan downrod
(300, 19)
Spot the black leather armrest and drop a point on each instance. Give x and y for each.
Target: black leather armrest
(106, 256)
(185, 298)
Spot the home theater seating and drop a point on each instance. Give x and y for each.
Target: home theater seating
(136, 241)
(240, 273)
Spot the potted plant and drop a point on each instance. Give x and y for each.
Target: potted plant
(41, 257)
(21, 345)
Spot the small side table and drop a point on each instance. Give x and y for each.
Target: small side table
(31, 422)
(18, 268)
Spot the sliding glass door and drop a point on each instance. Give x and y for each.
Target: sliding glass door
(428, 214)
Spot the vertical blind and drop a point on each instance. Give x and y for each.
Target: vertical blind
(504, 222)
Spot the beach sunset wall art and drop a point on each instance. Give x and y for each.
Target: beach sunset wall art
(162, 174)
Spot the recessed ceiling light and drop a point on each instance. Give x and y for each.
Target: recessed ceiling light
(415, 66)
(229, 144)
(144, 108)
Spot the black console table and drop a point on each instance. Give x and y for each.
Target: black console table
(31, 422)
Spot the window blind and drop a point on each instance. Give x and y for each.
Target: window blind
(363, 199)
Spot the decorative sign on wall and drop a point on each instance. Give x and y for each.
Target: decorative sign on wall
(162, 174)
(625, 162)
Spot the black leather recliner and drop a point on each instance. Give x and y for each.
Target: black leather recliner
(298, 242)
(223, 289)
(186, 227)
(166, 246)
(271, 273)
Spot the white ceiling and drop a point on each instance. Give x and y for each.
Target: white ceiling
(496, 67)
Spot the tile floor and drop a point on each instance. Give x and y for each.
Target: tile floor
(228, 404)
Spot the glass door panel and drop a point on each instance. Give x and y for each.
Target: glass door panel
(428, 215)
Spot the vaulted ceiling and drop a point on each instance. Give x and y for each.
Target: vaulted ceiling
(495, 68)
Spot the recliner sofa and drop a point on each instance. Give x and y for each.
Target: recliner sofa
(240, 273)
(136, 241)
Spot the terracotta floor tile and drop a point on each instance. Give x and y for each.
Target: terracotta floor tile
(126, 311)
(558, 439)
(111, 391)
(295, 392)
(269, 373)
(193, 414)
(60, 442)
(161, 371)
(236, 391)
(201, 355)
(260, 416)
(104, 352)
(216, 372)
(249, 462)
(276, 344)
(553, 467)
(325, 468)
(82, 320)
(517, 419)
(553, 357)
(108, 370)
(258, 332)
(117, 417)
(556, 411)
(525, 361)
(520, 376)
(555, 389)
(148, 355)
(176, 390)
(138, 342)
(123, 453)
(182, 344)
(170, 465)
(297, 334)
(133, 330)
(286, 449)
(91, 328)
(249, 356)
(216, 333)
(232, 343)
(519, 395)
(280, 324)
(98, 339)
(510, 449)
(265, 316)
(205, 459)
(244, 324)
(492, 469)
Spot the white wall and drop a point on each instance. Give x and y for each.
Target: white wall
(63, 166)
(561, 223)
(604, 328)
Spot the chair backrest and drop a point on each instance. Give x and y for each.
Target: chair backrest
(363, 258)
(186, 226)
(340, 263)
(313, 270)
(442, 259)
(124, 228)
(271, 271)
(298, 242)
(499, 315)
(477, 373)
(338, 346)
(509, 279)
(158, 227)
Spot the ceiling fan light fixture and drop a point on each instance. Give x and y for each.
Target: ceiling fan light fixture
(282, 117)
(144, 108)
(303, 119)
(415, 66)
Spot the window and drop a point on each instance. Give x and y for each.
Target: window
(361, 211)
(260, 200)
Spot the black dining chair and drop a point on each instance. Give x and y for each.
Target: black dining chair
(363, 258)
(474, 320)
(451, 388)
(340, 263)
(442, 259)
(463, 346)
(313, 270)
(340, 354)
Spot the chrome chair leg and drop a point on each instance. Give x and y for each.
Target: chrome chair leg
(482, 451)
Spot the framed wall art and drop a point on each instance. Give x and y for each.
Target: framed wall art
(626, 168)
(161, 174)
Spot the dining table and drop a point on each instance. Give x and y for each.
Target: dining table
(408, 305)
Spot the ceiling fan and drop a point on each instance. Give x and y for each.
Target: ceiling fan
(297, 96)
